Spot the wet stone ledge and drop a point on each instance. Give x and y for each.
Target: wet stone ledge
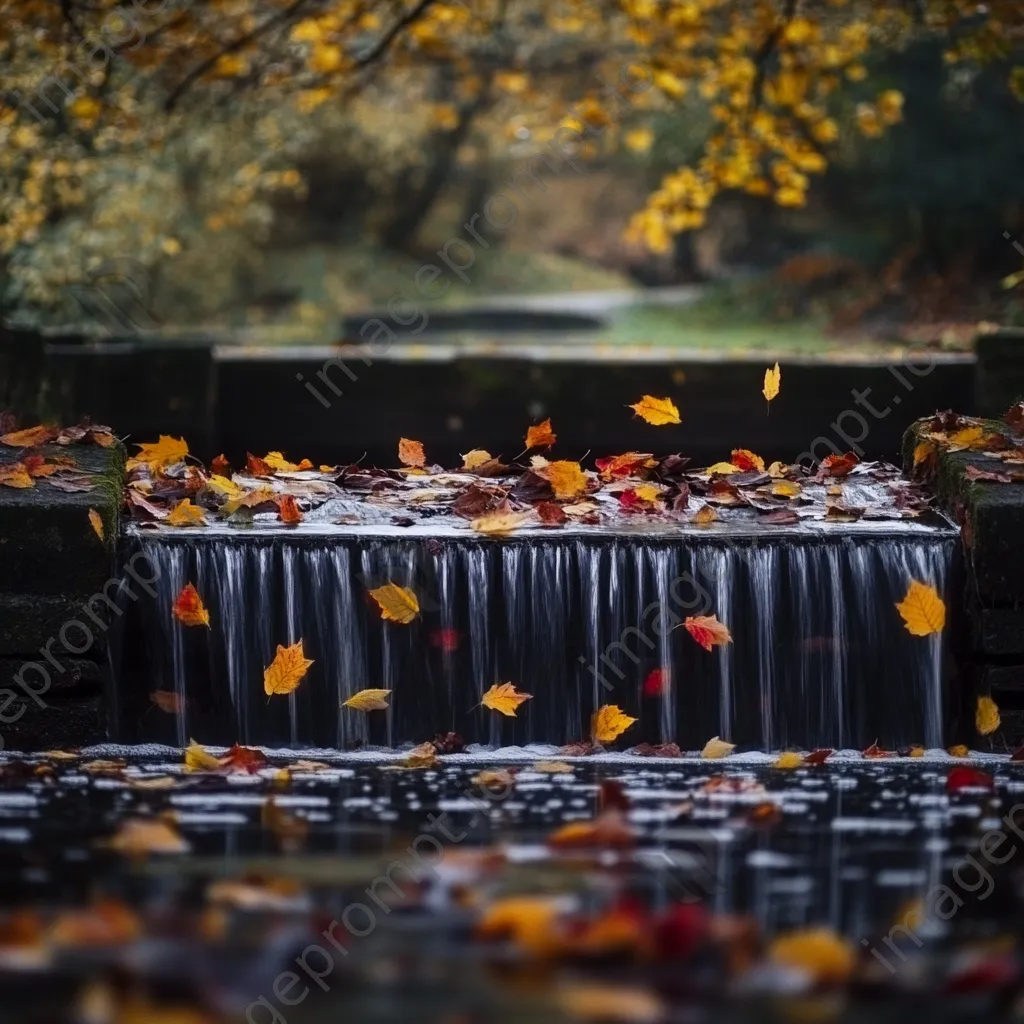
(54, 569)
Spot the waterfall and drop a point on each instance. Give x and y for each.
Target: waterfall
(820, 656)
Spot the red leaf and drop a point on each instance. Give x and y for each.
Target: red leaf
(221, 466)
(243, 759)
(966, 777)
(654, 684)
(551, 514)
(875, 751)
(818, 756)
(257, 467)
(837, 465)
(445, 639)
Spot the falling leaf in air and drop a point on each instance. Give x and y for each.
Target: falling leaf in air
(29, 438)
(288, 510)
(410, 453)
(788, 759)
(445, 639)
(707, 630)
(287, 669)
(746, 460)
(504, 698)
(656, 411)
(500, 522)
(198, 760)
(137, 837)
(168, 701)
(159, 454)
(475, 459)
(608, 723)
(15, 475)
(819, 952)
(189, 609)
(567, 479)
(986, 716)
(540, 435)
(186, 514)
(397, 604)
(654, 684)
(716, 748)
(922, 609)
(772, 380)
(96, 522)
(368, 700)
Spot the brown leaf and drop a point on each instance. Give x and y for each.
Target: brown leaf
(474, 501)
(256, 466)
(288, 510)
(72, 483)
(30, 438)
(551, 514)
(168, 701)
(540, 435)
(410, 453)
(220, 466)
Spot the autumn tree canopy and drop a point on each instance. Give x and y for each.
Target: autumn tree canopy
(142, 126)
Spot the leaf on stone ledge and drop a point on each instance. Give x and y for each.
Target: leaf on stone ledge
(500, 522)
(15, 474)
(567, 479)
(788, 759)
(30, 438)
(716, 748)
(159, 454)
(397, 604)
(705, 516)
(255, 466)
(198, 760)
(475, 459)
(288, 510)
(286, 671)
(186, 514)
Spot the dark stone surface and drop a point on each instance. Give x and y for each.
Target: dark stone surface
(28, 621)
(999, 381)
(997, 631)
(81, 677)
(47, 542)
(60, 725)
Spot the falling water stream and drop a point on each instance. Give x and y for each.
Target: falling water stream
(820, 656)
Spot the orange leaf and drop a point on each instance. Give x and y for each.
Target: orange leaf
(540, 436)
(567, 479)
(96, 522)
(504, 698)
(159, 454)
(188, 608)
(627, 464)
(707, 630)
(287, 670)
(705, 517)
(747, 460)
(657, 411)
(137, 837)
(288, 510)
(410, 453)
(29, 438)
(875, 751)
(15, 475)
(837, 465)
(257, 467)
(168, 700)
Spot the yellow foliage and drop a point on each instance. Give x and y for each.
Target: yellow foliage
(504, 697)
(286, 671)
(608, 723)
(923, 611)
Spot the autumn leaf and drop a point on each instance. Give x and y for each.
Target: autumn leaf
(198, 760)
(969, 437)
(772, 381)
(819, 755)
(837, 465)
(96, 522)
(504, 698)
(875, 752)
(243, 759)
(608, 723)
(628, 464)
(279, 464)
(923, 452)
(288, 510)
(188, 607)
(167, 701)
(960, 750)
(368, 700)
(257, 467)
(159, 454)
(138, 837)
(819, 952)
(567, 479)
(286, 671)
(917, 750)
(657, 411)
(594, 1001)
(220, 466)
(716, 748)
(654, 684)
(986, 716)
(186, 514)
(423, 756)
(746, 460)
(397, 604)
(705, 516)
(965, 776)
(540, 435)
(707, 630)
(788, 759)
(29, 438)
(922, 609)
(475, 459)
(225, 488)
(410, 453)
(500, 522)
(531, 922)
(552, 767)
(15, 474)
(722, 469)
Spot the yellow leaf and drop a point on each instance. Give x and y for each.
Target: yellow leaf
(959, 751)
(499, 522)
(97, 522)
(504, 698)
(609, 722)
(967, 438)
(777, 470)
(647, 492)
(158, 454)
(16, 475)
(819, 952)
(225, 487)
(475, 459)
(613, 1004)
(494, 777)
(917, 751)
(922, 609)
(279, 463)
(423, 756)
(656, 411)
(287, 669)
(540, 436)
(410, 453)
(198, 760)
(772, 380)
(186, 514)
(722, 469)
(398, 604)
(986, 716)
(715, 748)
(368, 700)
(788, 759)
(249, 499)
(923, 451)
(705, 516)
(567, 479)
(531, 922)
(639, 140)
(786, 489)
(552, 767)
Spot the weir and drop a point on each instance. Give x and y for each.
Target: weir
(578, 617)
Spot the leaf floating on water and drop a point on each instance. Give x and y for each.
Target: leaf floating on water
(496, 778)
(986, 716)
(410, 453)
(397, 604)
(368, 700)
(788, 759)
(567, 479)
(504, 698)
(608, 723)
(96, 522)
(819, 952)
(198, 760)
(657, 411)
(159, 454)
(716, 748)
(138, 837)
(287, 670)
(966, 777)
(772, 382)
(186, 514)
(189, 609)
(922, 609)
(707, 631)
(540, 435)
